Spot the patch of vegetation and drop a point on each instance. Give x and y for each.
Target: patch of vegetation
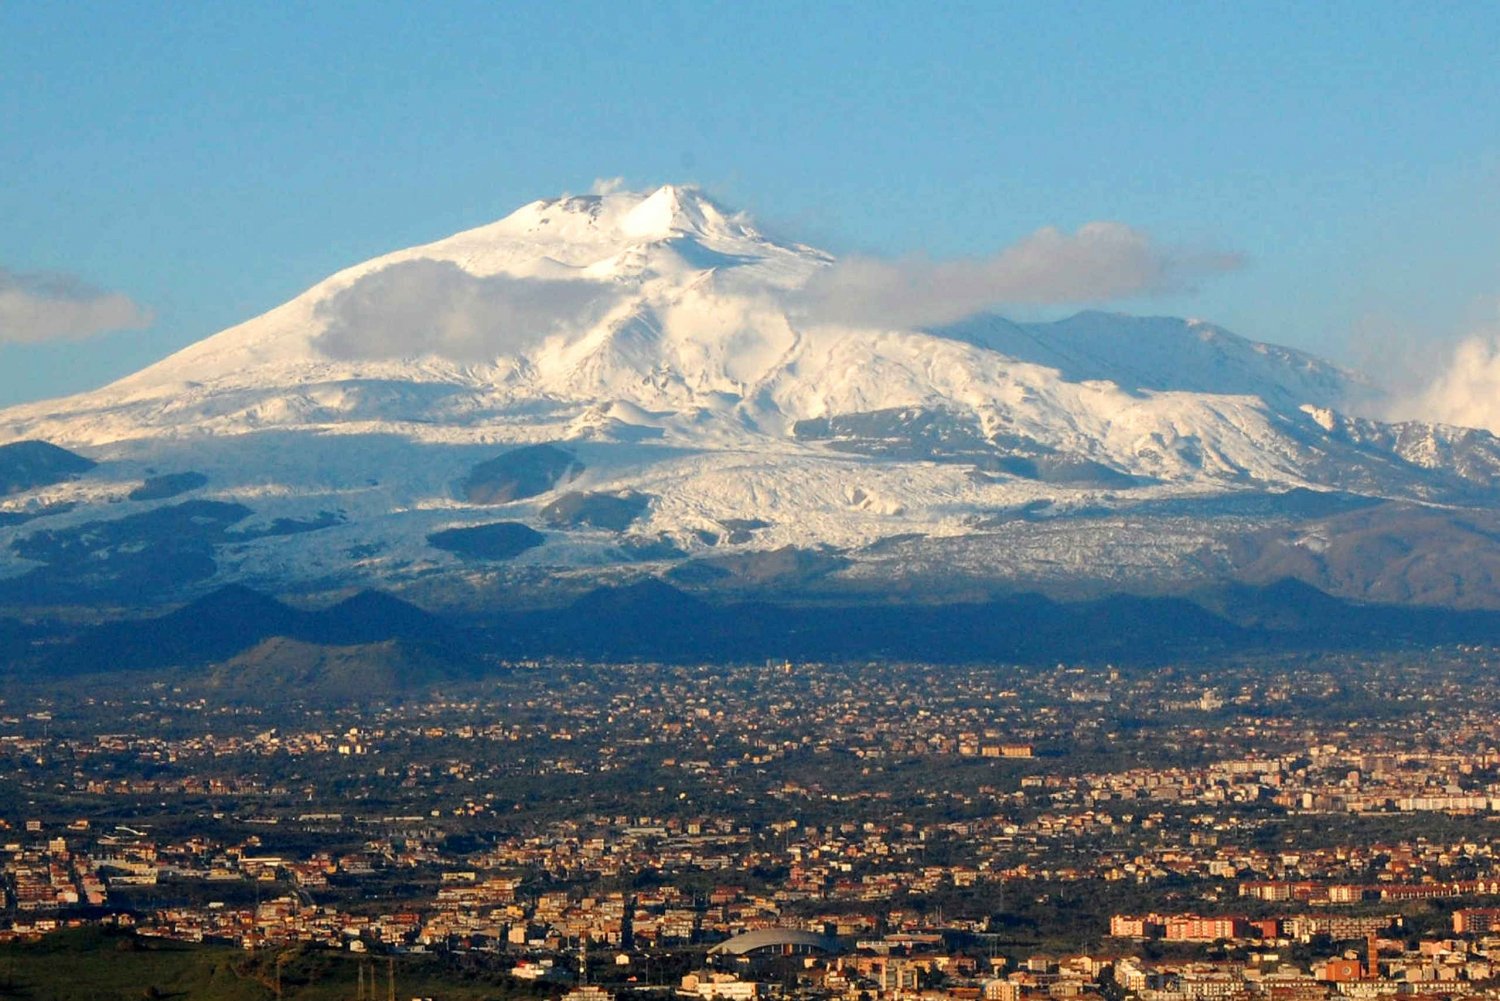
(27, 465)
(103, 964)
(168, 485)
(518, 474)
(501, 540)
(615, 512)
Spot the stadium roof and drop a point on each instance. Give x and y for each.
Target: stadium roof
(777, 939)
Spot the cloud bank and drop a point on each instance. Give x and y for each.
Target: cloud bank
(1101, 261)
(1466, 389)
(427, 307)
(40, 307)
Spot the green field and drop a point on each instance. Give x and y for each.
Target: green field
(107, 965)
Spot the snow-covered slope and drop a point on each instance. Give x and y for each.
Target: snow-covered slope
(656, 339)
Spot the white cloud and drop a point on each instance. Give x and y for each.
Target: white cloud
(606, 185)
(1100, 262)
(435, 307)
(40, 307)
(1466, 389)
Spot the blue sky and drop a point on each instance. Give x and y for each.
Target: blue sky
(209, 161)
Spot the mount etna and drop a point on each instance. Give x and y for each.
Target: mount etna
(626, 425)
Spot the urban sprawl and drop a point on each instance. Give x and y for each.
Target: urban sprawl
(1285, 829)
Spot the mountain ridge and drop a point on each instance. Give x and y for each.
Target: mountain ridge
(328, 651)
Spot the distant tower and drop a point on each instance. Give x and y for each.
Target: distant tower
(583, 959)
(1372, 957)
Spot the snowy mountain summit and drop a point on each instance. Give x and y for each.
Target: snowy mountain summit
(643, 382)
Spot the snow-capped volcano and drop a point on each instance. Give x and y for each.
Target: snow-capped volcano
(685, 405)
(662, 300)
(552, 285)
